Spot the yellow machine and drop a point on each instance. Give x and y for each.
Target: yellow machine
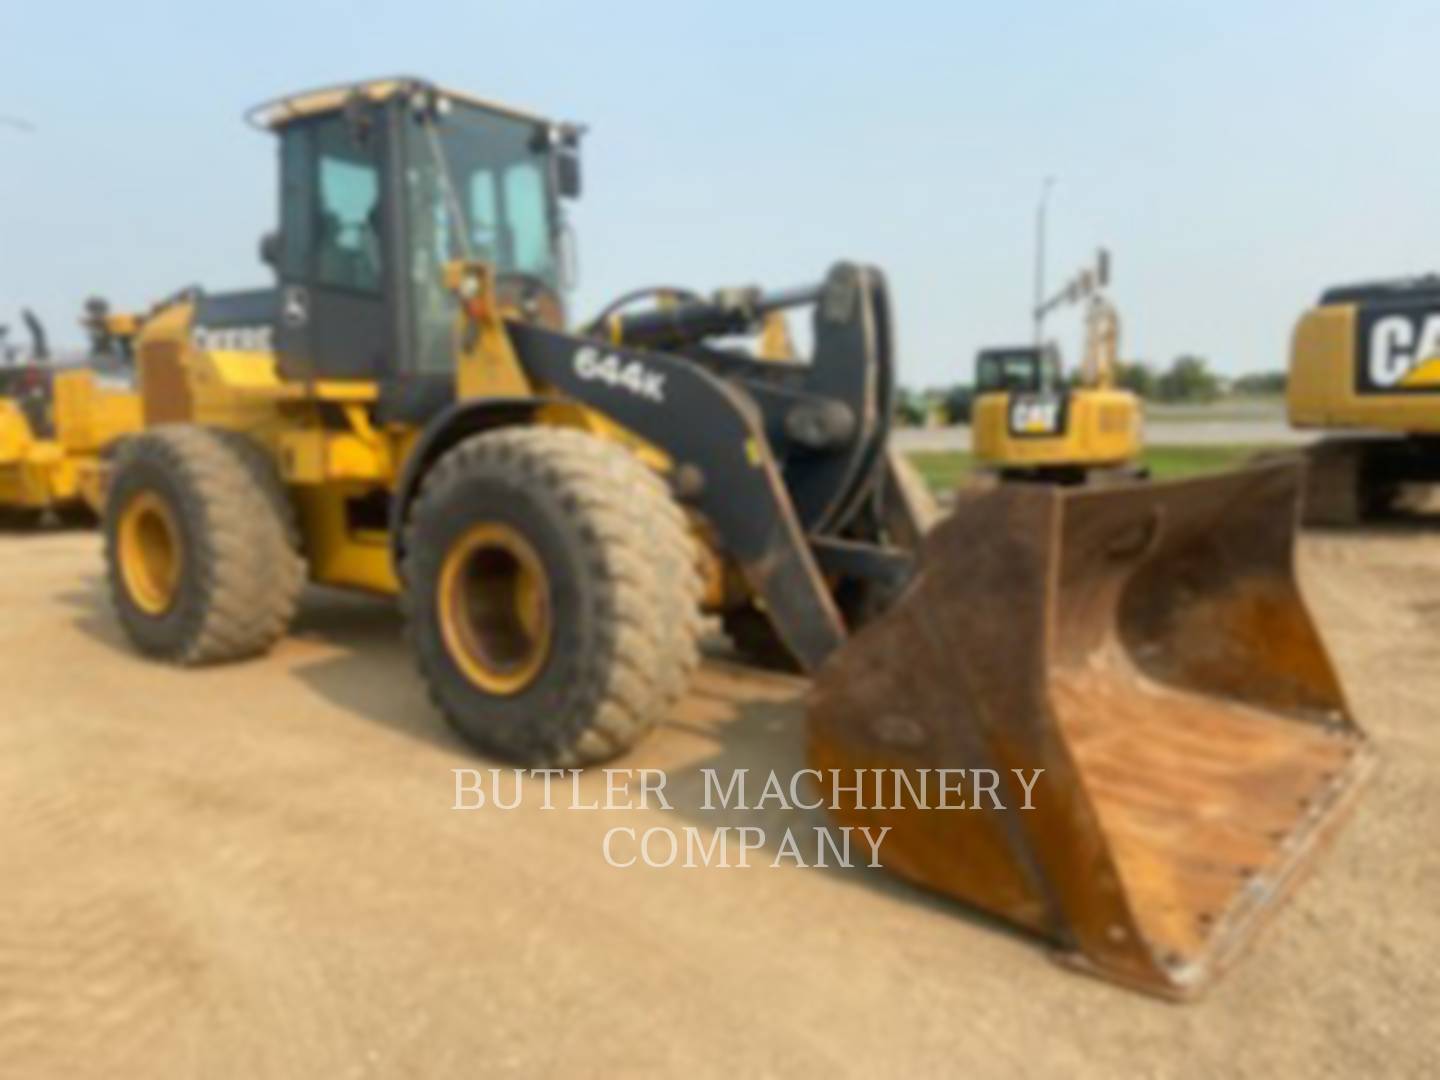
(1365, 367)
(1028, 424)
(57, 421)
(404, 413)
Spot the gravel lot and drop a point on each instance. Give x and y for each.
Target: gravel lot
(254, 872)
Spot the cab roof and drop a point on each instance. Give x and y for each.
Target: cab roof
(1418, 290)
(278, 112)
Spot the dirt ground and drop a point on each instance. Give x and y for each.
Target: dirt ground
(254, 871)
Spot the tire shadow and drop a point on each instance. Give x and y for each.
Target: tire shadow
(372, 674)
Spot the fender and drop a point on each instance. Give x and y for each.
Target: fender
(457, 423)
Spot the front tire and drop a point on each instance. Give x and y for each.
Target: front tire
(201, 546)
(552, 594)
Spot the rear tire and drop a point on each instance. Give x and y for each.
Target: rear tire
(552, 594)
(201, 546)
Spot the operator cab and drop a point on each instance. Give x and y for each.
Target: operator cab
(381, 185)
(1021, 369)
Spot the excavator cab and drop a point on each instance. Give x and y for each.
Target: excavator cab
(1030, 423)
(1019, 369)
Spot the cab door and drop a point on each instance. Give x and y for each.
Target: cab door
(335, 262)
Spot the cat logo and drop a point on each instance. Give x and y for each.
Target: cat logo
(1036, 416)
(1401, 351)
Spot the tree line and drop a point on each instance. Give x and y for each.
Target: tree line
(1188, 380)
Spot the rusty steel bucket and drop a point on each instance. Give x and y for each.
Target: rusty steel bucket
(1146, 646)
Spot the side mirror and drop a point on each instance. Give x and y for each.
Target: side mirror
(270, 249)
(567, 173)
(562, 141)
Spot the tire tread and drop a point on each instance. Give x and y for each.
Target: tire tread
(638, 543)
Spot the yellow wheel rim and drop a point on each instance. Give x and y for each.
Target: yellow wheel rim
(494, 608)
(151, 554)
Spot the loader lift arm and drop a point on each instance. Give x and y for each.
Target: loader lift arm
(785, 460)
(737, 488)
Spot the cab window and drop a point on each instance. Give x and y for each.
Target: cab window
(347, 237)
(479, 181)
(330, 207)
(528, 223)
(1016, 372)
(509, 218)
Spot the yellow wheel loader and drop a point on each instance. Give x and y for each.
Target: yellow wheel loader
(58, 419)
(1028, 424)
(1365, 367)
(404, 412)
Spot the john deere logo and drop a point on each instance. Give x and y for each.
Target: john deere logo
(295, 308)
(1402, 352)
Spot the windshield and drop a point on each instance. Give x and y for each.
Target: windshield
(1018, 370)
(477, 186)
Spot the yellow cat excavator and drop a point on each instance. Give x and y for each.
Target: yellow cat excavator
(404, 411)
(1365, 370)
(1027, 423)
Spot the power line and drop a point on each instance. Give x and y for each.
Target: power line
(17, 123)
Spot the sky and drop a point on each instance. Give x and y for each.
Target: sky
(1236, 158)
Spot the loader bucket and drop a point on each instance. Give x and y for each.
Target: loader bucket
(1147, 647)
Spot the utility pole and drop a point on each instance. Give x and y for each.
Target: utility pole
(1040, 210)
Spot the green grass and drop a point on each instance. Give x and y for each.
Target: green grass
(1167, 462)
(943, 469)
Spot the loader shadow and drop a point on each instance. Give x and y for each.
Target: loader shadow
(42, 525)
(373, 676)
(90, 600)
